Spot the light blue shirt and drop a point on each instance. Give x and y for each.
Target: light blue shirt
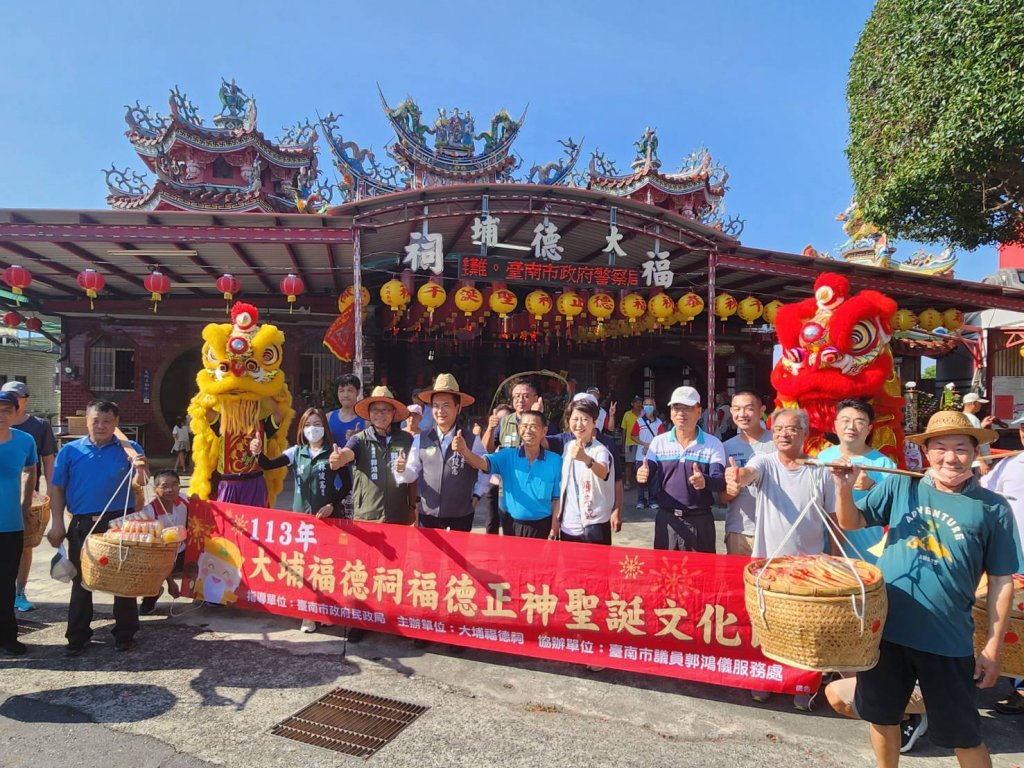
(529, 487)
(860, 542)
(16, 455)
(90, 475)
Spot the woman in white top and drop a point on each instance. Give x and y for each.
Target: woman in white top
(588, 482)
(181, 446)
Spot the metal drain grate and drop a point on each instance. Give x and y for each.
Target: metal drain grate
(349, 722)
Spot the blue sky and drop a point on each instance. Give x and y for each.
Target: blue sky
(762, 85)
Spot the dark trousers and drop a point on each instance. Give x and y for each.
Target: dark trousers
(493, 509)
(10, 555)
(526, 529)
(464, 523)
(598, 533)
(126, 609)
(689, 531)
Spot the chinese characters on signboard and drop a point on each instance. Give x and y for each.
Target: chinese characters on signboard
(530, 272)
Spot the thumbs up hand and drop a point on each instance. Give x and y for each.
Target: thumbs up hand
(697, 478)
(493, 421)
(538, 406)
(256, 446)
(400, 461)
(732, 478)
(459, 443)
(334, 460)
(643, 472)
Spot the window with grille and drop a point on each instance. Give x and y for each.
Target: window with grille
(111, 368)
(317, 373)
(222, 169)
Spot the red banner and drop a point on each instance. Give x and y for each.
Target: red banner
(674, 614)
(341, 336)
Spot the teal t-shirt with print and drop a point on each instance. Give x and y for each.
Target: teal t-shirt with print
(938, 546)
(860, 543)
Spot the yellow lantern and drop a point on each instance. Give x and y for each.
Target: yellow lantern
(348, 296)
(725, 306)
(468, 299)
(952, 319)
(431, 295)
(771, 309)
(394, 294)
(690, 306)
(904, 320)
(569, 305)
(632, 306)
(600, 306)
(661, 307)
(929, 319)
(502, 303)
(750, 309)
(538, 303)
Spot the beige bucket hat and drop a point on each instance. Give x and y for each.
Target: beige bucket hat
(944, 423)
(446, 383)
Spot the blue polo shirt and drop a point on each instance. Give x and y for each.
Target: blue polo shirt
(671, 465)
(529, 487)
(90, 474)
(17, 454)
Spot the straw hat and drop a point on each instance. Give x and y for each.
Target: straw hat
(943, 423)
(381, 395)
(446, 383)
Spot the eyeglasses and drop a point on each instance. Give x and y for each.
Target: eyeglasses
(787, 430)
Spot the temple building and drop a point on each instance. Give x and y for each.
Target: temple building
(462, 257)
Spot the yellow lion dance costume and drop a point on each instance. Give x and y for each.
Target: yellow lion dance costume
(242, 394)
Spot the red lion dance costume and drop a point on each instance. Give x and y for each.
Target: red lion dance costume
(836, 346)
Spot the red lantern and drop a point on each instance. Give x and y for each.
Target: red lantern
(292, 286)
(18, 278)
(92, 282)
(34, 324)
(228, 285)
(12, 319)
(157, 283)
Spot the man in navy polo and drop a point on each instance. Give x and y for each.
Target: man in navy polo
(90, 480)
(17, 481)
(531, 476)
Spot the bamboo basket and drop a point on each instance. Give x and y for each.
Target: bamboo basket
(819, 629)
(38, 519)
(1013, 644)
(126, 569)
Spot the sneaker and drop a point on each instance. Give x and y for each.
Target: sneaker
(308, 626)
(14, 648)
(1011, 705)
(802, 702)
(912, 729)
(22, 604)
(640, 505)
(760, 696)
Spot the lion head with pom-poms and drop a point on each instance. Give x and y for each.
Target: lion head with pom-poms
(240, 385)
(835, 346)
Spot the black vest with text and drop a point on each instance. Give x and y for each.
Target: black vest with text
(446, 481)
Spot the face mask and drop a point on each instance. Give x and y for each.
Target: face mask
(648, 410)
(313, 434)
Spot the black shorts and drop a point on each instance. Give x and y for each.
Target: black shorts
(690, 531)
(947, 686)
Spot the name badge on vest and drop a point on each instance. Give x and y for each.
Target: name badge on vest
(456, 462)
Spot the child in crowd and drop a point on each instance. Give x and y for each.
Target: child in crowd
(170, 507)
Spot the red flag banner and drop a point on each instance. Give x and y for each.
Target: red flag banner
(674, 614)
(341, 336)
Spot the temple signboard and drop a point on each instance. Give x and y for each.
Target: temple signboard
(534, 272)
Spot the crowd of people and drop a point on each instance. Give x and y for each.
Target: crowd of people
(377, 459)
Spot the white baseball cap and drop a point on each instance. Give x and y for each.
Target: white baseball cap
(584, 396)
(684, 396)
(973, 397)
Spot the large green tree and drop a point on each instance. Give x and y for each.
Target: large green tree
(936, 98)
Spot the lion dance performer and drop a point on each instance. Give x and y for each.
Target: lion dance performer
(242, 394)
(836, 346)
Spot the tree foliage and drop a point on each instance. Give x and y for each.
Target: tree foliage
(936, 99)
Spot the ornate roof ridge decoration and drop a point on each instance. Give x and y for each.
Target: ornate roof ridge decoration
(456, 153)
(867, 244)
(177, 148)
(695, 190)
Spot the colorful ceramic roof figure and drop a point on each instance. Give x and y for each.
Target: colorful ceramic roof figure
(695, 190)
(445, 150)
(229, 166)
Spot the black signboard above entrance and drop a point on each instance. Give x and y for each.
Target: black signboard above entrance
(538, 272)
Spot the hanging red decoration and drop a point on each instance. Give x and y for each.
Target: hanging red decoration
(12, 319)
(292, 287)
(228, 285)
(157, 283)
(34, 324)
(92, 282)
(18, 278)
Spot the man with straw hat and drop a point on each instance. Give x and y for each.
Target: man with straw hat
(438, 467)
(375, 493)
(945, 530)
